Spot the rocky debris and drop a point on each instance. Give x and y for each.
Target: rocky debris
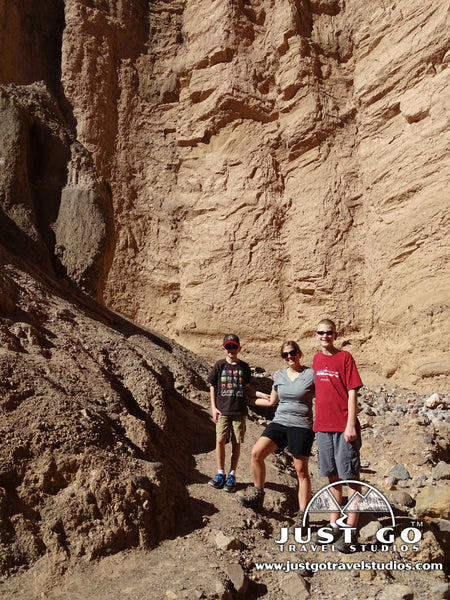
(428, 427)
(430, 551)
(434, 501)
(441, 471)
(225, 542)
(440, 591)
(390, 483)
(236, 575)
(442, 529)
(400, 472)
(400, 499)
(295, 586)
(397, 592)
(435, 401)
(369, 531)
(222, 544)
(89, 407)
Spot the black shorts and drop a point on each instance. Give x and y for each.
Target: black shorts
(299, 440)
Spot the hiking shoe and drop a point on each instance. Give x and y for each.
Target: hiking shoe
(299, 521)
(253, 499)
(218, 481)
(344, 546)
(230, 484)
(315, 539)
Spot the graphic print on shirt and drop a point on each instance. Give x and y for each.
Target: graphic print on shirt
(232, 382)
(326, 373)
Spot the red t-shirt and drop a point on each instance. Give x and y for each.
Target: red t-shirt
(334, 376)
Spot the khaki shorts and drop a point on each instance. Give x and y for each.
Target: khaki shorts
(231, 427)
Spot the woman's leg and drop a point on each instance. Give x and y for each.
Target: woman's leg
(304, 480)
(261, 450)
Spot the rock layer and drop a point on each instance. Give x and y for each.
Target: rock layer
(269, 163)
(205, 166)
(96, 425)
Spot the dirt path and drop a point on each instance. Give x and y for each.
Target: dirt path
(198, 564)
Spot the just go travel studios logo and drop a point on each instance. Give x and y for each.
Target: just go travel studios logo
(369, 500)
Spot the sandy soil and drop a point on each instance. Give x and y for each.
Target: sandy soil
(195, 563)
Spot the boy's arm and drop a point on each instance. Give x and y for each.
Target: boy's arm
(250, 394)
(350, 430)
(214, 410)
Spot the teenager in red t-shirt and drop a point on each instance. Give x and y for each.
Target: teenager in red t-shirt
(338, 432)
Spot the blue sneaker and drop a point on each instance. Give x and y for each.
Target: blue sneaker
(230, 484)
(218, 481)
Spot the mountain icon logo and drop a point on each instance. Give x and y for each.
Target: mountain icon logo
(368, 500)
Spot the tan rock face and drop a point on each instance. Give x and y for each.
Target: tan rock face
(56, 212)
(91, 407)
(270, 163)
(203, 166)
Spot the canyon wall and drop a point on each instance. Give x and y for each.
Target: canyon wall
(247, 166)
(203, 167)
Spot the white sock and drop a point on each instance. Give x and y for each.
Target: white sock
(231, 473)
(221, 472)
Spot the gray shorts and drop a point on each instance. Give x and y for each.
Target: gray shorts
(336, 456)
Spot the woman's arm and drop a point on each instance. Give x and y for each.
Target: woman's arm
(266, 399)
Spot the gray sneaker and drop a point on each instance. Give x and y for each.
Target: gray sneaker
(344, 546)
(298, 522)
(253, 499)
(336, 535)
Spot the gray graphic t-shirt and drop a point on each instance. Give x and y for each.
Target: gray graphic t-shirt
(295, 399)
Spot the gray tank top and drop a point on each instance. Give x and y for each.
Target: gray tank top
(295, 399)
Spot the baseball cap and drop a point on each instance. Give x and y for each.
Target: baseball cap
(231, 337)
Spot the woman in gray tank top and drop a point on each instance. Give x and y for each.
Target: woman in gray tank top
(292, 393)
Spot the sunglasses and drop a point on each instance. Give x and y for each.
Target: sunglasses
(329, 333)
(231, 346)
(291, 353)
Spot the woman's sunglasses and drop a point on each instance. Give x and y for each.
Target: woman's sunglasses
(291, 353)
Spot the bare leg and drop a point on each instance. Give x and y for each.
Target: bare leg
(304, 480)
(261, 450)
(353, 516)
(235, 453)
(220, 454)
(337, 493)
